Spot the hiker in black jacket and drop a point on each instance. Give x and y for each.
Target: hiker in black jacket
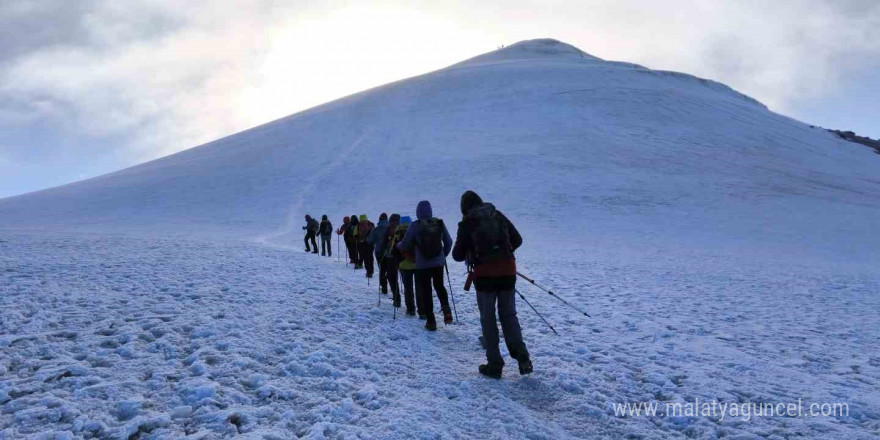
(311, 229)
(351, 234)
(325, 231)
(486, 240)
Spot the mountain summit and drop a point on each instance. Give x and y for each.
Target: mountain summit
(538, 49)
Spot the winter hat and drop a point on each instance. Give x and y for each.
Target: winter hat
(324, 217)
(469, 200)
(395, 219)
(308, 217)
(363, 217)
(405, 220)
(383, 216)
(353, 220)
(345, 219)
(423, 210)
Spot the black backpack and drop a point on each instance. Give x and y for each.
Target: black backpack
(490, 237)
(430, 238)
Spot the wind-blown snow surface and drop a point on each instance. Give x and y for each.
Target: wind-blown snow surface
(725, 252)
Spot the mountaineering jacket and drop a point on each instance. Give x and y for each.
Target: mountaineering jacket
(312, 225)
(377, 237)
(498, 275)
(326, 228)
(424, 212)
(344, 228)
(364, 227)
(406, 260)
(351, 233)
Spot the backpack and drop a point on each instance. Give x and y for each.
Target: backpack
(364, 229)
(490, 238)
(389, 240)
(313, 225)
(430, 238)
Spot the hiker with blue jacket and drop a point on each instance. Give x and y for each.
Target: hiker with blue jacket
(430, 239)
(485, 241)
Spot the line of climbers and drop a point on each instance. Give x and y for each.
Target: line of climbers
(416, 251)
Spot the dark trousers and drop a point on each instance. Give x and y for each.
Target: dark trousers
(365, 252)
(424, 279)
(311, 235)
(325, 245)
(352, 250)
(506, 302)
(388, 276)
(407, 277)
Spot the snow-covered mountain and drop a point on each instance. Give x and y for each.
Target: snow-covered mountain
(725, 252)
(561, 139)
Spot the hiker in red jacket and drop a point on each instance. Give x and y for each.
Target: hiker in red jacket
(485, 241)
(345, 237)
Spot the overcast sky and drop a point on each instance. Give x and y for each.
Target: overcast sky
(91, 86)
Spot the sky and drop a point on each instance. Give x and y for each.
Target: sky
(89, 87)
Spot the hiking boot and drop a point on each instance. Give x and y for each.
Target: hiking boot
(315, 252)
(410, 312)
(447, 318)
(358, 266)
(422, 316)
(384, 291)
(323, 254)
(308, 250)
(490, 370)
(431, 325)
(525, 366)
(369, 275)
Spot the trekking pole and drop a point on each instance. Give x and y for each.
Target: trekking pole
(536, 311)
(552, 294)
(450, 290)
(337, 248)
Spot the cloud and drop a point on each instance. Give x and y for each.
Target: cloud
(143, 78)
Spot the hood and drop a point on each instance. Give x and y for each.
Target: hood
(363, 217)
(405, 220)
(394, 219)
(353, 221)
(424, 211)
(308, 217)
(324, 217)
(469, 200)
(382, 222)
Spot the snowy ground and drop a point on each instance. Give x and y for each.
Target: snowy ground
(122, 337)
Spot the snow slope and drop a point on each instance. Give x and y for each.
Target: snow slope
(725, 252)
